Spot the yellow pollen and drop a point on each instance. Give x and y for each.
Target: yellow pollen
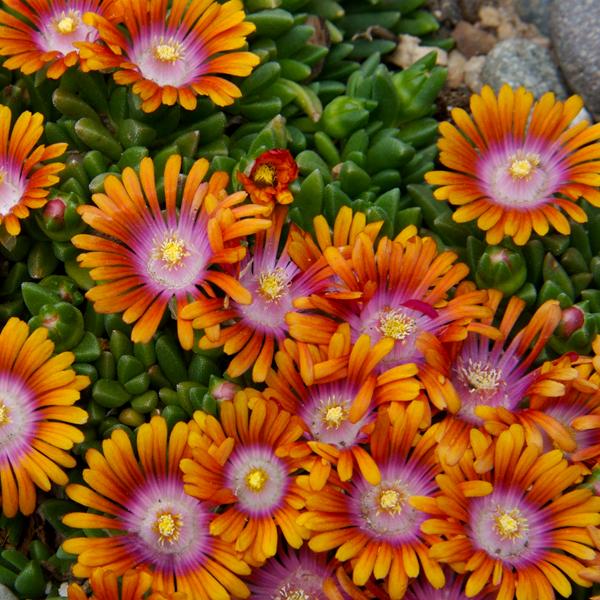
(66, 25)
(265, 175)
(522, 167)
(4, 412)
(272, 284)
(256, 479)
(2, 176)
(481, 377)
(171, 251)
(390, 501)
(168, 52)
(510, 524)
(395, 324)
(335, 416)
(293, 595)
(167, 526)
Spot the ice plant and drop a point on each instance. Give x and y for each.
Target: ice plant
(23, 181)
(252, 331)
(517, 527)
(375, 526)
(37, 396)
(174, 53)
(338, 407)
(236, 465)
(421, 589)
(494, 368)
(269, 178)
(147, 520)
(514, 164)
(296, 575)
(45, 32)
(397, 292)
(147, 254)
(135, 585)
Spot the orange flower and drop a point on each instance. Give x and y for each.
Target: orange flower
(269, 178)
(171, 52)
(237, 466)
(146, 256)
(22, 179)
(517, 526)
(373, 525)
(46, 32)
(515, 164)
(37, 394)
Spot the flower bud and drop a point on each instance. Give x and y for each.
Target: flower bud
(502, 269)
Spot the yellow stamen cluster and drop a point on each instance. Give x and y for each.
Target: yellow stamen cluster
(256, 479)
(390, 501)
(334, 416)
(510, 524)
(4, 412)
(481, 377)
(395, 324)
(293, 595)
(171, 251)
(168, 526)
(265, 175)
(522, 167)
(272, 284)
(67, 24)
(168, 52)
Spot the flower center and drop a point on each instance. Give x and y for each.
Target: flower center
(522, 167)
(287, 594)
(4, 412)
(390, 501)
(169, 52)
(510, 524)
(395, 324)
(480, 376)
(66, 25)
(167, 526)
(272, 284)
(256, 479)
(265, 175)
(171, 252)
(334, 416)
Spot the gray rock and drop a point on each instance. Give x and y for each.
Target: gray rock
(536, 12)
(6, 594)
(470, 9)
(575, 28)
(521, 62)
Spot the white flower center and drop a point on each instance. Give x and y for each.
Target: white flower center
(480, 377)
(171, 251)
(273, 284)
(523, 167)
(510, 524)
(168, 52)
(395, 324)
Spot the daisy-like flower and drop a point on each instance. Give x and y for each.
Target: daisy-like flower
(297, 574)
(269, 178)
(489, 371)
(147, 520)
(375, 526)
(454, 589)
(400, 294)
(172, 53)
(514, 164)
(37, 394)
(236, 465)
(147, 256)
(252, 331)
(518, 527)
(45, 33)
(135, 585)
(23, 181)
(338, 409)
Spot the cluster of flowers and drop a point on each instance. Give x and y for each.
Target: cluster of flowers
(397, 422)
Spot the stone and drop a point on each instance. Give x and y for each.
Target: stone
(521, 62)
(489, 16)
(575, 29)
(470, 9)
(473, 68)
(6, 594)
(445, 10)
(471, 40)
(456, 69)
(536, 12)
(409, 51)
